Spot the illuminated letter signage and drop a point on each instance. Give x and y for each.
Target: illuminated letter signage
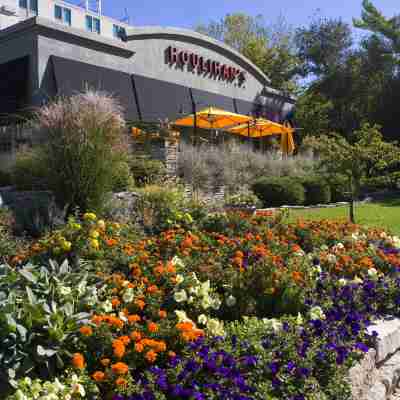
(196, 63)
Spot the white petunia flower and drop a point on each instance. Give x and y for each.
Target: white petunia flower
(128, 295)
(180, 296)
(342, 282)
(179, 279)
(317, 313)
(106, 306)
(202, 319)
(372, 273)
(273, 324)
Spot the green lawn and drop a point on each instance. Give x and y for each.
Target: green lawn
(385, 214)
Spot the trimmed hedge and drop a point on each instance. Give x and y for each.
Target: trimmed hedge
(276, 192)
(317, 190)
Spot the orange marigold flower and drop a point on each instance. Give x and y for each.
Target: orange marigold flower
(121, 382)
(99, 376)
(140, 303)
(139, 347)
(133, 318)
(105, 362)
(119, 348)
(171, 268)
(191, 336)
(184, 326)
(97, 319)
(158, 270)
(136, 336)
(152, 327)
(111, 242)
(86, 330)
(159, 346)
(78, 361)
(125, 340)
(162, 314)
(115, 302)
(151, 356)
(152, 289)
(297, 276)
(171, 354)
(120, 368)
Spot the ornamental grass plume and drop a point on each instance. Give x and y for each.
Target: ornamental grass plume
(84, 143)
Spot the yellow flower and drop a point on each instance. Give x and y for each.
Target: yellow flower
(94, 234)
(94, 244)
(66, 246)
(89, 217)
(101, 224)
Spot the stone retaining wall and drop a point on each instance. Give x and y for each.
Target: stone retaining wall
(377, 376)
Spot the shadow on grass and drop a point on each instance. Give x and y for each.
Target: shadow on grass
(390, 202)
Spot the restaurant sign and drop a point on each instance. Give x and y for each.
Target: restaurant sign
(194, 62)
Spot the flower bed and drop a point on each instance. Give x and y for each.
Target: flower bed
(231, 307)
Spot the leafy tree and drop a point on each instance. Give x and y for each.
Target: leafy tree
(270, 48)
(366, 156)
(323, 46)
(387, 29)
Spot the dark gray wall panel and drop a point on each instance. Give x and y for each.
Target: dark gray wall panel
(14, 85)
(206, 99)
(160, 100)
(73, 76)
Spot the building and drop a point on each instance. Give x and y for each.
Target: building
(51, 47)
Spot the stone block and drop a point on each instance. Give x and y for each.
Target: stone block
(388, 341)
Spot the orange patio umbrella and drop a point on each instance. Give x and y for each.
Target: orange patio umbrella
(212, 118)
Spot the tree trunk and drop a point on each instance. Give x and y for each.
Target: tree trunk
(352, 217)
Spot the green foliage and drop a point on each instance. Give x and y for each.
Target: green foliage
(271, 48)
(318, 190)
(323, 46)
(146, 171)
(338, 186)
(5, 178)
(8, 244)
(85, 143)
(29, 171)
(275, 192)
(40, 313)
(312, 114)
(244, 198)
(162, 207)
(123, 179)
(364, 158)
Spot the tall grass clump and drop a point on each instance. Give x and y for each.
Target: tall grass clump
(236, 166)
(85, 144)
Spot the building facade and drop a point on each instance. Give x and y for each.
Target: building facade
(50, 48)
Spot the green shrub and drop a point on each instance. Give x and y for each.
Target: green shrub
(275, 192)
(146, 171)
(162, 207)
(245, 198)
(318, 191)
(5, 178)
(122, 178)
(29, 171)
(339, 189)
(85, 143)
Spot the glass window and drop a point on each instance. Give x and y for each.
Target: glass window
(23, 3)
(89, 23)
(33, 6)
(118, 31)
(58, 12)
(67, 16)
(115, 31)
(96, 23)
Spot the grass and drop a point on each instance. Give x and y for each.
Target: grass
(384, 214)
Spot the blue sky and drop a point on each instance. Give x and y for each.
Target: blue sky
(188, 13)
